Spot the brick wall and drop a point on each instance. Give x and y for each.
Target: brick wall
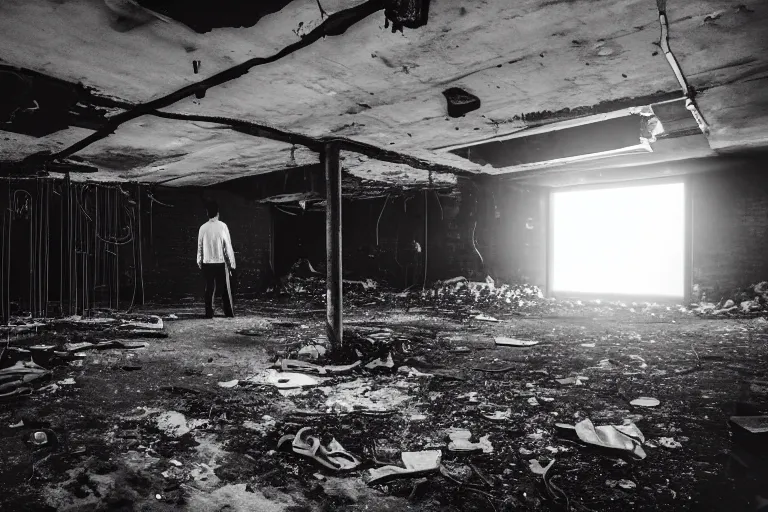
(170, 270)
(730, 228)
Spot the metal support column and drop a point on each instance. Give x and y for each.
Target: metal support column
(333, 244)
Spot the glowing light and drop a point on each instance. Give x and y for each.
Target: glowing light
(627, 240)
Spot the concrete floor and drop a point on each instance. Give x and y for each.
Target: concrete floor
(118, 431)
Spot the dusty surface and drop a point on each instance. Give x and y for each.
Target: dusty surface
(545, 60)
(167, 437)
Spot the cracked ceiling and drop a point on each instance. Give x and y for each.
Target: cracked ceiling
(67, 65)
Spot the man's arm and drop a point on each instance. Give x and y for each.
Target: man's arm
(200, 248)
(228, 248)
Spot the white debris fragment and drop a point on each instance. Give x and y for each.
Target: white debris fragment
(668, 442)
(645, 401)
(514, 342)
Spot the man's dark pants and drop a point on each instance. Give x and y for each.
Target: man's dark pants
(216, 279)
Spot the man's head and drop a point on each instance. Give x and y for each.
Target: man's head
(213, 209)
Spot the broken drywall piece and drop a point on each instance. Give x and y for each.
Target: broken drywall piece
(460, 442)
(514, 342)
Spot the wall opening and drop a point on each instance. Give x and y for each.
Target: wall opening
(627, 240)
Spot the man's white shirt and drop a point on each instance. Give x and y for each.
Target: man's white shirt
(214, 244)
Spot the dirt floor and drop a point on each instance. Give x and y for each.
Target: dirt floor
(151, 429)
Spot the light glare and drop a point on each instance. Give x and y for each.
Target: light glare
(627, 240)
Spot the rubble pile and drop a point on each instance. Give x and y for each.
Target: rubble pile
(34, 347)
(460, 292)
(752, 300)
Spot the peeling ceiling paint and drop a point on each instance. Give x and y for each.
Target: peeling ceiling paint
(528, 63)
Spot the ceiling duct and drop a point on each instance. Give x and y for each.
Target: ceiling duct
(616, 136)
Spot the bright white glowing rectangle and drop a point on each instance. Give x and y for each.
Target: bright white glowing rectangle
(627, 240)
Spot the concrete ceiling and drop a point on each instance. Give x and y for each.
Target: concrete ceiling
(530, 62)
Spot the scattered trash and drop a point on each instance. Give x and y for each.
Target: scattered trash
(18, 424)
(486, 318)
(668, 442)
(624, 484)
(381, 362)
(284, 380)
(645, 401)
(334, 456)
(39, 438)
(293, 364)
(578, 380)
(497, 415)
(175, 424)
(412, 372)
(553, 491)
(460, 442)
(537, 468)
(175, 463)
(69, 381)
(229, 383)
(513, 342)
(753, 424)
(588, 345)
(533, 401)
(312, 352)
(625, 437)
(416, 464)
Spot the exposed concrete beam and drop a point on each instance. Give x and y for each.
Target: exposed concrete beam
(318, 143)
(336, 24)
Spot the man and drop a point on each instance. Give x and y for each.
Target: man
(216, 259)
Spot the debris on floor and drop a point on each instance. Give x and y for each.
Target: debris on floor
(416, 464)
(513, 342)
(333, 456)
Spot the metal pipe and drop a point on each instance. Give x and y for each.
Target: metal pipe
(664, 43)
(334, 325)
(426, 237)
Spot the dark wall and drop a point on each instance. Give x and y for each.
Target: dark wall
(730, 228)
(507, 222)
(170, 269)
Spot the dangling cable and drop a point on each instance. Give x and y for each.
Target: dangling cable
(379, 219)
(141, 243)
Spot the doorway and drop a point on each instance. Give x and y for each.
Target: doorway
(627, 240)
